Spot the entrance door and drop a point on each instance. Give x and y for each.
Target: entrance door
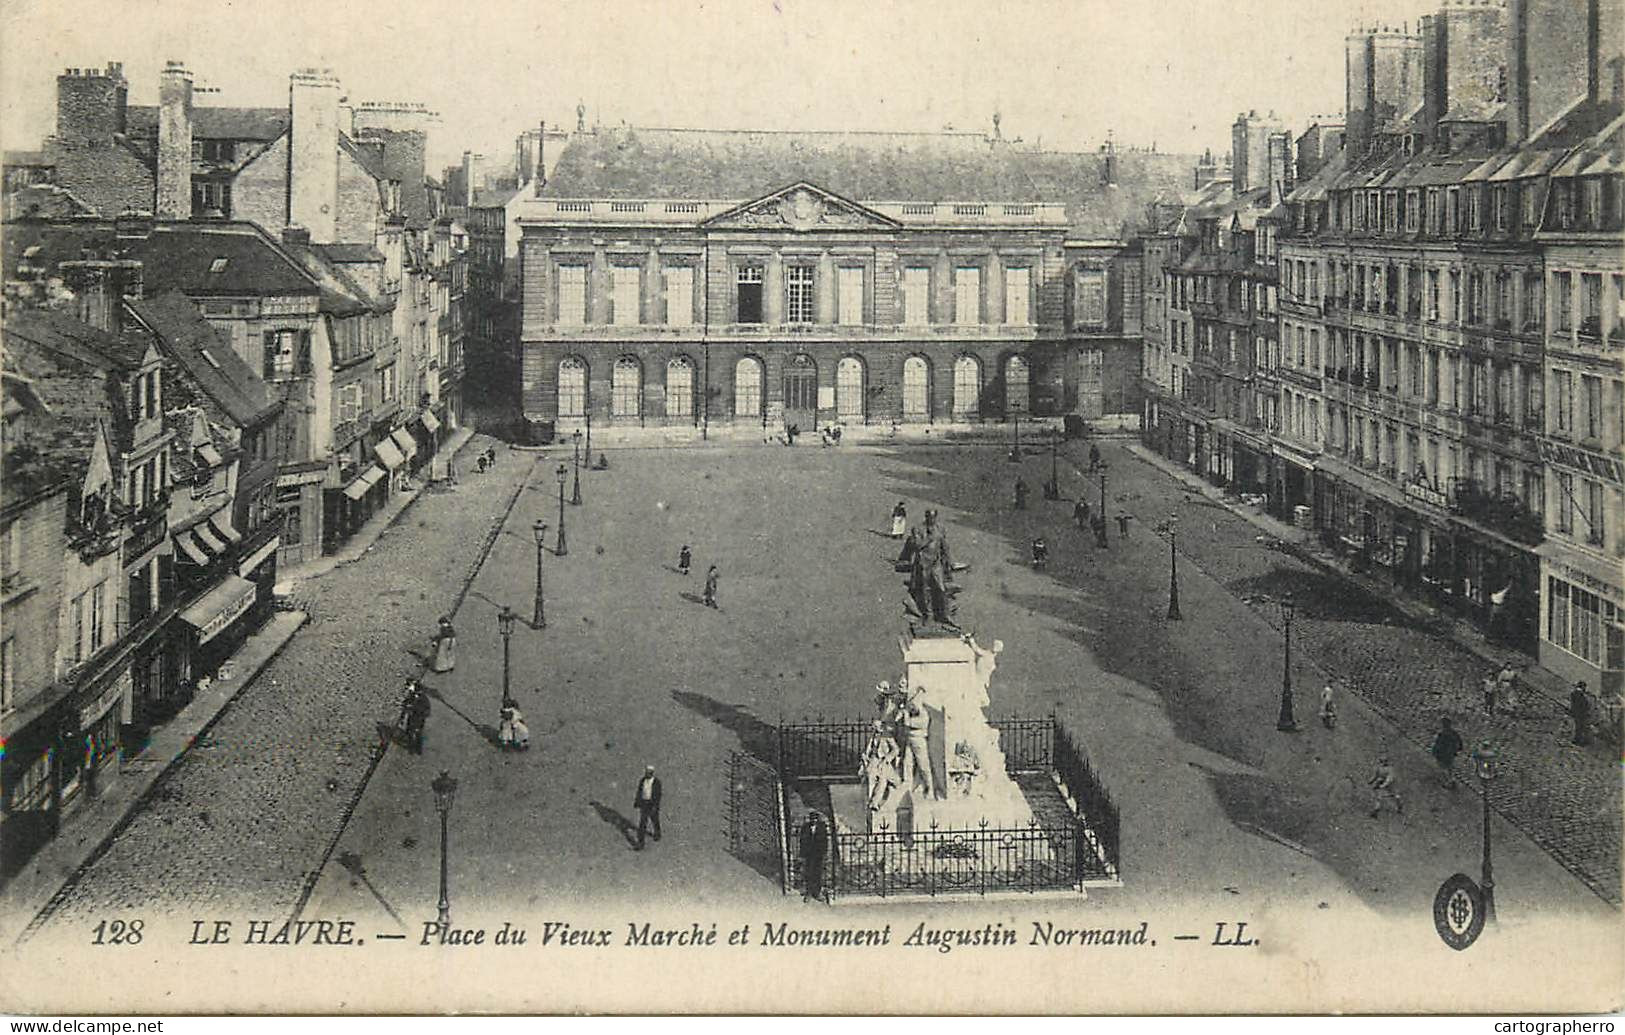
(801, 393)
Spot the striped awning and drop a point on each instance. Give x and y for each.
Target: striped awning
(208, 539)
(358, 488)
(430, 421)
(220, 607)
(205, 535)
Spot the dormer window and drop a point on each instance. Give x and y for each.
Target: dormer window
(149, 395)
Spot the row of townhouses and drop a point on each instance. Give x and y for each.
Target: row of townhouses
(1410, 336)
(231, 336)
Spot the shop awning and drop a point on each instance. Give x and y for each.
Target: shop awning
(220, 607)
(430, 421)
(220, 521)
(404, 439)
(389, 454)
(190, 547)
(206, 536)
(257, 558)
(358, 488)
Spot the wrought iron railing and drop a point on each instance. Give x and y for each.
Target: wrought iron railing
(1037, 857)
(1093, 805)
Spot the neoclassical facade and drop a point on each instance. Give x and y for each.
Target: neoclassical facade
(902, 279)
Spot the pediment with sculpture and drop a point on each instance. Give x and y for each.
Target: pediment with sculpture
(800, 208)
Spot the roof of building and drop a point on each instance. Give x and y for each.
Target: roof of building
(196, 346)
(1316, 186)
(631, 162)
(401, 155)
(76, 340)
(341, 294)
(497, 197)
(370, 159)
(209, 257)
(215, 123)
(350, 252)
(110, 178)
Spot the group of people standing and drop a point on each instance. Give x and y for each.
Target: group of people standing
(685, 563)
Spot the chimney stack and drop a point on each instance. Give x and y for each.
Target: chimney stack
(91, 105)
(471, 172)
(313, 167)
(174, 186)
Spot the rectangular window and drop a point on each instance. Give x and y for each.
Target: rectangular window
(1433, 296)
(849, 300)
(1590, 304)
(1017, 296)
(572, 296)
(1565, 502)
(916, 295)
(1563, 297)
(798, 294)
(1595, 518)
(1563, 400)
(1557, 612)
(968, 295)
(680, 296)
(625, 284)
(98, 625)
(748, 283)
(1591, 406)
(1533, 311)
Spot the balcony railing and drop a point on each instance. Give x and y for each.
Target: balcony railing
(1502, 511)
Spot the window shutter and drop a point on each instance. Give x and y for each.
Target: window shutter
(304, 352)
(270, 355)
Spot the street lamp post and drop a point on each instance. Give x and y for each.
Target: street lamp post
(539, 619)
(1488, 764)
(1105, 538)
(1053, 490)
(1173, 571)
(575, 490)
(563, 474)
(1015, 442)
(445, 790)
(1286, 723)
(505, 620)
(588, 447)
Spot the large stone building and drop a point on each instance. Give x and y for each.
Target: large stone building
(759, 280)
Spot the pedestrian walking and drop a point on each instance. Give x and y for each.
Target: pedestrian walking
(1328, 708)
(1446, 746)
(1383, 789)
(512, 732)
(415, 715)
(647, 802)
(685, 557)
(1021, 494)
(1580, 712)
(711, 578)
(899, 520)
(445, 646)
(814, 850)
(1489, 685)
(1040, 553)
(1506, 689)
(1122, 526)
(1080, 513)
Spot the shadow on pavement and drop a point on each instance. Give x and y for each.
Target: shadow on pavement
(1321, 596)
(758, 738)
(352, 864)
(625, 827)
(483, 729)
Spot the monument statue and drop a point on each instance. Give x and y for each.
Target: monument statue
(931, 571)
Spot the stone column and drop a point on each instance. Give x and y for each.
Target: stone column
(993, 293)
(773, 290)
(824, 290)
(598, 288)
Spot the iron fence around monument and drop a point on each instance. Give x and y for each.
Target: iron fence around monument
(1064, 847)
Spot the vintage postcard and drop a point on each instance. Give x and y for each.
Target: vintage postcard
(763, 506)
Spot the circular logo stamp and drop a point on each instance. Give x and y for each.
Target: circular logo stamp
(1458, 911)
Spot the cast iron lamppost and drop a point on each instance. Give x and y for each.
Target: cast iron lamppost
(1105, 537)
(1286, 723)
(445, 790)
(1173, 569)
(588, 447)
(505, 620)
(563, 475)
(575, 490)
(539, 620)
(1015, 443)
(1052, 491)
(1488, 764)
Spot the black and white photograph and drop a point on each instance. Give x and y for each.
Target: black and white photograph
(771, 507)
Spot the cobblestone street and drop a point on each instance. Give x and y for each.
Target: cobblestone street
(245, 815)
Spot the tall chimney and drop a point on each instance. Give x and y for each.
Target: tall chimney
(541, 154)
(91, 105)
(1280, 149)
(313, 165)
(174, 185)
(471, 165)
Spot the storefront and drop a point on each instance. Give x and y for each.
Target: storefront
(408, 446)
(394, 462)
(1582, 618)
(217, 633)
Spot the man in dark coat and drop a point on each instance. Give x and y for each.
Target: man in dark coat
(814, 850)
(1080, 512)
(647, 802)
(1580, 712)
(416, 712)
(1446, 746)
(1021, 494)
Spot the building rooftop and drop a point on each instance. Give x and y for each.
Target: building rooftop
(215, 123)
(196, 346)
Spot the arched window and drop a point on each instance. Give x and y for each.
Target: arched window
(849, 389)
(626, 388)
(916, 389)
(680, 387)
(748, 388)
(967, 387)
(1015, 385)
(572, 387)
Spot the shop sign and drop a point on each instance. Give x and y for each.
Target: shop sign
(1425, 493)
(1583, 579)
(1581, 460)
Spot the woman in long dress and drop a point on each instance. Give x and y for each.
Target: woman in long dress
(445, 646)
(899, 520)
(513, 734)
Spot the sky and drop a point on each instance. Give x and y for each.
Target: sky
(1174, 74)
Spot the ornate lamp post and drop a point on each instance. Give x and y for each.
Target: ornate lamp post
(505, 620)
(1488, 764)
(1105, 538)
(1286, 723)
(1015, 443)
(1052, 491)
(445, 791)
(562, 474)
(575, 490)
(588, 447)
(539, 619)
